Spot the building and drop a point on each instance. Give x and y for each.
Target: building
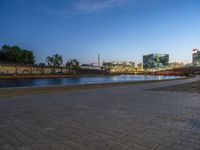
(196, 57)
(155, 61)
(119, 66)
(140, 67)
(173, 65)
(188, 65)
(91, 66)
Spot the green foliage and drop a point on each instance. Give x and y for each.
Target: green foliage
(27, 57)
(14, 54)
(49, 61)
(1, 56)
(42, 64)
(54, 60)
(58, 60)
(73, 64)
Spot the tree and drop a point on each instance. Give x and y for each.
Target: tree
(27, 57)
(14, 54)
(1, 56)
(57, 60)
(5, 52)
(73, 64)
(54, 61)
(42, 64)
(49, 61)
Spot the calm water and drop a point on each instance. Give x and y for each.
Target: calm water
(78, 81)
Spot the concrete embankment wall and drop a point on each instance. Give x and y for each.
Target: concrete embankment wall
(91, 71)
(180, 71)
(23, 70)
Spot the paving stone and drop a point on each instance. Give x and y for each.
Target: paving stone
(118, 118)
(7, 147)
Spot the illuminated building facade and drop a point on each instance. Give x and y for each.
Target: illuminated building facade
(140, 67)
(155, 61)
(173, 65)
(196, 57)
(120, 66)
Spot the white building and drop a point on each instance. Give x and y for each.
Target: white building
(120, 66)
(91, 66)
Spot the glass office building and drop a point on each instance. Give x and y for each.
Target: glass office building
(155, 61)
(196, 57)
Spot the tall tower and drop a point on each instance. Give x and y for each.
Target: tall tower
(99, 60)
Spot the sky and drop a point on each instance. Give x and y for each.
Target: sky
(118, 30)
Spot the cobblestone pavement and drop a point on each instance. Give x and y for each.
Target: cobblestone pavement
(118, 118)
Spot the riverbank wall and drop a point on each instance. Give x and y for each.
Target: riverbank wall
(30, 70)
(24, 72)
(8, 71)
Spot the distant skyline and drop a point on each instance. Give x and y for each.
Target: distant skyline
(116, 29)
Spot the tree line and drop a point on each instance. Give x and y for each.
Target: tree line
(56, 61)
(16, 55)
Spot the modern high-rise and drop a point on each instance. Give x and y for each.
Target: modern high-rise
(155, 61)
(196, 57)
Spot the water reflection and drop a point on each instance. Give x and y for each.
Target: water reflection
(81, 80)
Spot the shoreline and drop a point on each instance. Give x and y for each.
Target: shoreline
(24, 91)
(12, 77)
(192, 87)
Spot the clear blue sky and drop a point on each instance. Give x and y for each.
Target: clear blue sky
(116, 29)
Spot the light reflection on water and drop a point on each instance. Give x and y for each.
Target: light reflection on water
(80, 80)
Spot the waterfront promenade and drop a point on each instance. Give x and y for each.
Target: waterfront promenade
(131, 117)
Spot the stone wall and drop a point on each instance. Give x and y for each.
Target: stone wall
(23, 70)
(48, 70)
(4, 69)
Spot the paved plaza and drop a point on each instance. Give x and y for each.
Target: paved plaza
(116, 118)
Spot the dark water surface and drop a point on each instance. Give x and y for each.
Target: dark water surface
(80, 80)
